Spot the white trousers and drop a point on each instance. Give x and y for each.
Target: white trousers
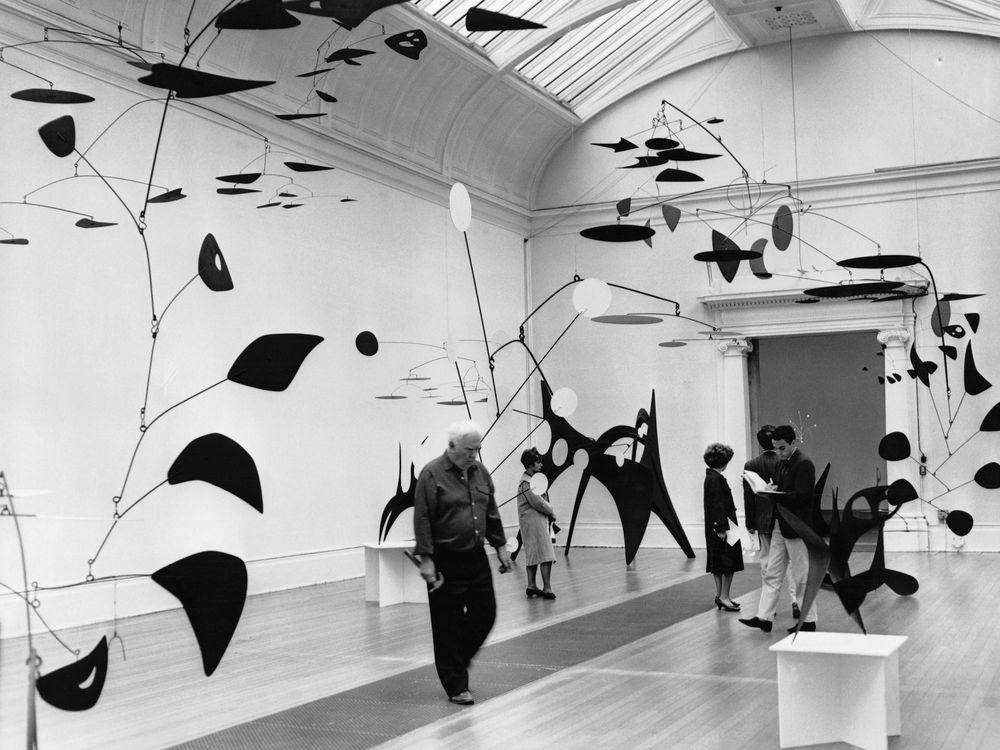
(783, 555)
(762, 553)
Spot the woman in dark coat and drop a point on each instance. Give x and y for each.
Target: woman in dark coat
(720, 514)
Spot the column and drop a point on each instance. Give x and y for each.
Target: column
(907, 530)
(734, 397)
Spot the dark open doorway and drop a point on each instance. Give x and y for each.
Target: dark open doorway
(827, 386)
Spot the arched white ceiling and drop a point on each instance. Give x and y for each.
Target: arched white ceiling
(485, 108)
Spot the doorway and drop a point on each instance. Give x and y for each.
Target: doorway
(827, 387)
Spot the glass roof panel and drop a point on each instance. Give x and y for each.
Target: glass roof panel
(578, 60)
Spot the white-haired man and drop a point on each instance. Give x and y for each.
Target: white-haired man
(455, 515)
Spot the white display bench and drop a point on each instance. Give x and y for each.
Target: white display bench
(390, 577)
(838, 687)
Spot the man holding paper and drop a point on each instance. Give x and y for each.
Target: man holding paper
(793, 489)
(758, 474)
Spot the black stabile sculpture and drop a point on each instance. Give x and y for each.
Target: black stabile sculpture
(271, 361)
(398, 502)
(212, 588)
(222, 462)
(637, 487)
(819, 559)
(64, 687)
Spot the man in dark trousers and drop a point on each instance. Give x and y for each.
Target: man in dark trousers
(455, 514)
(759, 510)
(795, 484)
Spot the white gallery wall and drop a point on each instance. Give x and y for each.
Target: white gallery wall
(76, 339)
(890, 141)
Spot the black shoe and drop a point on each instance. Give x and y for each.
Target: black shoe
(530, 592)
(796, 613)
(807, 627)
(548, 595)
(722, 605)
(756, 622)
(463, 699)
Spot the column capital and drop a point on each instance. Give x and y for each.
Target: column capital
(735, 347)
(893, 336)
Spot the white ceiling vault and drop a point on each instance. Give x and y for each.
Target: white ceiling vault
(485, 108)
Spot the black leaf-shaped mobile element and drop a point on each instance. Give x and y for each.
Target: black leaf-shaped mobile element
(618, 233)
(901, 491)
(782, 227)
(257, 15)
(168, 197)
(212, 588)
(959, 522)
(860, 289)
(348, 13)
(212, 266)
(477, 19)
(52, 96)
(973, 320)
(894, 447)
(622, 145)
(271, 362)
(220, 461)
(757, 266)
(193, 84)
(656, 160)
(988, 476)
(975, 383)
(235, 191)
(301, 115)
(661, 144)
(367, 343)
(348, 55)
(671, 216)
(624, 206)
(678, 175)
(301, 166)
(879, 261)
(91, 224)
(921, 370)
(325, 96)
(682, 154)
(408, 43)
(77, 686)
(59, 135)
(991, 422)
(241, 178)
(398, 502)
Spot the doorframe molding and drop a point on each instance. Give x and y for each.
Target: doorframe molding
(745, 315)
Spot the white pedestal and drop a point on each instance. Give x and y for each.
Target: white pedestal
(838, 687)
(390, 578)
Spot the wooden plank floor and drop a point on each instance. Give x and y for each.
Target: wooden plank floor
(704, 682)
